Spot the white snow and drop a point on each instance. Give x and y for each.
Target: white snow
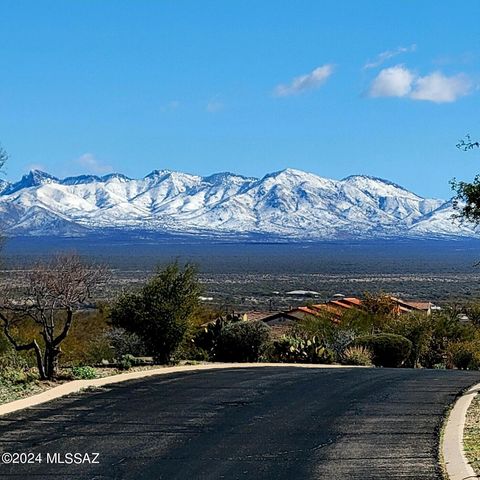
(289, 203)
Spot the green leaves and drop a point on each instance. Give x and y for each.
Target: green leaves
(160, 312)
(467, 199)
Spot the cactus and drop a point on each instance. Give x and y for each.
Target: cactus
(301, 350)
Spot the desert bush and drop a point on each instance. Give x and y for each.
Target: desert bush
(206, 338)
(204, 314)
(340, 340)
(322, 326)
(200, 337)
(124, 343)
(242, 342)
(296, 349)
(357, 321)
(357, 356)
(418, 328)
(336, 334)
(446, 329)
(188, 350)
(128, 361)
(161, 311)
(15, 369)
(5, 345)
(84, 373)
(381, 309)
(86, 342)
(16, 376)
(472, 310)
(464, 355)
(388, 350)
(197, 354)
(12, 359)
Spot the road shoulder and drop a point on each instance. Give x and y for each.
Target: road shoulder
(454, 457)
(79, 385)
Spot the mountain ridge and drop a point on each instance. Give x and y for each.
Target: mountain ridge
(287, 203)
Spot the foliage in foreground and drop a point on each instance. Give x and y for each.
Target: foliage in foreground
(471, 435)
(233, 340)
(295, 349)
(55, 290)
(464, 355)
(84, 373)
(388, 349)
(360, 356)
(161, 311)
(17, 378)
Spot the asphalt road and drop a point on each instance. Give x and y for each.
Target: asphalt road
(252, 423)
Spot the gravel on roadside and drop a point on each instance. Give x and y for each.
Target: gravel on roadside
(471, 434)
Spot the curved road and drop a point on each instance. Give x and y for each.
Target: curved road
(253, 423)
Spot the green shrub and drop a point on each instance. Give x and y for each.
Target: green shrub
(389, 350)
(12, 359)
(189, 351)
(296, 349)
(84, 373)
(418, 328)
(127, 361)
(124, 343)
(242, 342)
(446, 330)
(160, 313)
(207, 338)
(17, 376)
(357, 356)
(15, 370)
(464, 355)
(86, 343)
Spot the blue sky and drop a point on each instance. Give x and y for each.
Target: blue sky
(331, 87)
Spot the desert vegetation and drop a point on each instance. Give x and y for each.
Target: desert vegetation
(56, 326)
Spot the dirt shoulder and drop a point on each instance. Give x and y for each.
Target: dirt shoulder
(11, 390)
(471, 435)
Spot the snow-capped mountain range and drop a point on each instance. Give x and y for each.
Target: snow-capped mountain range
(289, 203)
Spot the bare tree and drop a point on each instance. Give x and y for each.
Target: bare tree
(54, 291)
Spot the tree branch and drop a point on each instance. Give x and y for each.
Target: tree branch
(33, 345)
(66, 328)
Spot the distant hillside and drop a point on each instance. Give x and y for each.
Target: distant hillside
(287, 204)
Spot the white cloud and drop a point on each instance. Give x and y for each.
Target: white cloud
(436, 87)
(392, 82)
(384, 56)
(214, 106)
(439, 88)
(309, 81)
(91, 165)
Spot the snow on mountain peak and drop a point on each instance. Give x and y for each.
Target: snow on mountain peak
(369, 181)
(224, 177)
(81, 179)
(34, 178)
(288, 203)
(115, 176)
(158, 173)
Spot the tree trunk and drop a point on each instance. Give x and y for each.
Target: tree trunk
(33, 345)
(51, 361)
(40, 364)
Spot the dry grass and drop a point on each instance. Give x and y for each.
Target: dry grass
(471, 435)
(10, 391)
